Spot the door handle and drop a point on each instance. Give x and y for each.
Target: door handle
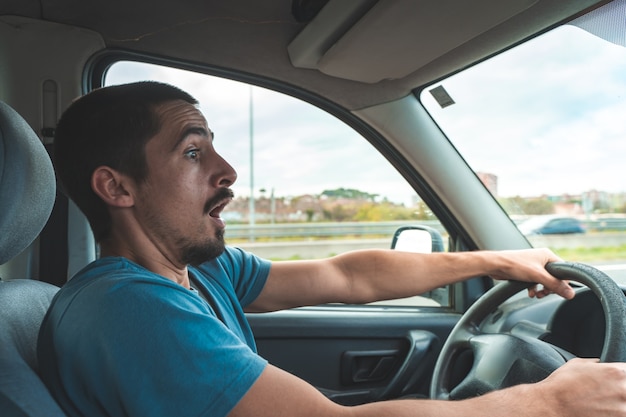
(421, 343)
(367, 365)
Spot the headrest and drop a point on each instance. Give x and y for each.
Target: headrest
(27, 184)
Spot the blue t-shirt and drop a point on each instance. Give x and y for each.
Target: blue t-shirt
(120, 340)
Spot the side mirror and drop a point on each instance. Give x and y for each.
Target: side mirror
(419, 239)
(422, 239)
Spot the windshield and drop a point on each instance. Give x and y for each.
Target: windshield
(542, 125)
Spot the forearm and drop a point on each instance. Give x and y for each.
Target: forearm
(385, 274)
(278, 393)
(518, 401)
(381, 274)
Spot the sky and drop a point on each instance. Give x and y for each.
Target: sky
(563, 133)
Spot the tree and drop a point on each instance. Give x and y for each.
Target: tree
(349, 193)
(520, 205)
(373, 212)
(538, 206)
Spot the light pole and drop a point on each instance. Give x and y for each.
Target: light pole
(272, 207)
(251, 134)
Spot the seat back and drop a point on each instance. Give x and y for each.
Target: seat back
(23, 304)
(27, 193)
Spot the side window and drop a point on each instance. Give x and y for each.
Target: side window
(308, 185)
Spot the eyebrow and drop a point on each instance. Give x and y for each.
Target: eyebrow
(193, 130)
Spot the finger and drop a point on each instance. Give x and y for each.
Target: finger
(538, 291)
(561, 288)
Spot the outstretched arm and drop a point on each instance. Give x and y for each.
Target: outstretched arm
(277, 393)
(374, 275)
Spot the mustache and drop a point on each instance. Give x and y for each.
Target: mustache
(222, 194)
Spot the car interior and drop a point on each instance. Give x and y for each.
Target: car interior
(366, 63)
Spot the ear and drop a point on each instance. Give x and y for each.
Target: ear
(112, 187)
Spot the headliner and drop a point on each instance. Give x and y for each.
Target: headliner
(253, 36)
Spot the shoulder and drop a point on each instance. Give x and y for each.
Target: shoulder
(124, 285)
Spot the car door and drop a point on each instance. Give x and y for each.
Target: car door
(356, 354)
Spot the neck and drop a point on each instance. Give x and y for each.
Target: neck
(152, 260)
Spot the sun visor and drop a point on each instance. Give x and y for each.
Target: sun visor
(370, 41)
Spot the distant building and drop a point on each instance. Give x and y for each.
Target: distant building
(490, 181)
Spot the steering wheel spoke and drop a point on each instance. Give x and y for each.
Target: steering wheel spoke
(503, 360)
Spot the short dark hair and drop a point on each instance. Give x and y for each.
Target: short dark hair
(109, 126)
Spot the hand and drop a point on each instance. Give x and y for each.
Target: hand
(529, 266)
(585, 387)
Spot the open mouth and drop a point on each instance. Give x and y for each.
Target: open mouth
(216, 211)
(217, 204)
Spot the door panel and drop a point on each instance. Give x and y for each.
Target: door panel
(356, 355)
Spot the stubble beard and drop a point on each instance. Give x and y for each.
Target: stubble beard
(196, 254)
(199, 253)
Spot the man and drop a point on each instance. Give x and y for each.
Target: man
(131, 335)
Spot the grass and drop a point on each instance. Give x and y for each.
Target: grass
(609, 253)
(580, 254)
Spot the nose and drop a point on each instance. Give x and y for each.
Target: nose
(224, 175)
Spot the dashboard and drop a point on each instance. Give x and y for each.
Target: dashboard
(576, 326)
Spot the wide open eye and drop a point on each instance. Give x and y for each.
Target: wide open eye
(193, 153)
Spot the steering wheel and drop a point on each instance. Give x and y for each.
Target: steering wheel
(501, 360)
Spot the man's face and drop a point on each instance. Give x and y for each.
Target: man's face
(186, 189)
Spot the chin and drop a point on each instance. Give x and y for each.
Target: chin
(200, 253)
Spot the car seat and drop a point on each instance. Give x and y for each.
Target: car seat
(27, 193)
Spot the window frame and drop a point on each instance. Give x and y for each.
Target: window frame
(462, 295)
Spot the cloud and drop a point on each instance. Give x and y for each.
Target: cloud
(546, 117)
